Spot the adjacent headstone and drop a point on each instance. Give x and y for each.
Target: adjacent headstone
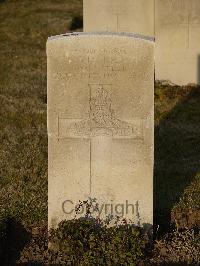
(100, 125)
(175, 24)
(177, 28)
(134, 16)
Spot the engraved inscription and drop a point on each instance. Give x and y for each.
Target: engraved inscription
(182, 13)
(102, 121)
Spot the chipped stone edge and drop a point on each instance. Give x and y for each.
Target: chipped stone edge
(118, 34)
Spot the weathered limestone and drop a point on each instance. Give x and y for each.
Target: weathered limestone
(178, 40)
(174, 23)
(100, 124)
(136, 16)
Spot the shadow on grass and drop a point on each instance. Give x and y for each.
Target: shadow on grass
(77, 23)
(177, 154)
(16, 237)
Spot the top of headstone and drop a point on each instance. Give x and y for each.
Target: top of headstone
(121, 34)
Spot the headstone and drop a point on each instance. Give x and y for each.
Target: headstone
(177, 28)
(133, 16)
(100, 125)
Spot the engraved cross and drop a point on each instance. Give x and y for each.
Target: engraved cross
(100, 127)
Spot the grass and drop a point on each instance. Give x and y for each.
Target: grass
(177, 146)
(186, 213)
(25, 26)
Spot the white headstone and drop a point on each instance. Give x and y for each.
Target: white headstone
(175, 24)
(177, 27)
(100, 125)
(134, 16)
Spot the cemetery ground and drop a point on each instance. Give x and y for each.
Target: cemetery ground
(25, 26)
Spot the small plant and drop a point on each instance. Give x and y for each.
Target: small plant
(91, 240)
(178, 248)
(86, 240)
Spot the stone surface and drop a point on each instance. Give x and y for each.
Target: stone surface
(177, 28)
(100, 125)
(135, 16)
(174, 23)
